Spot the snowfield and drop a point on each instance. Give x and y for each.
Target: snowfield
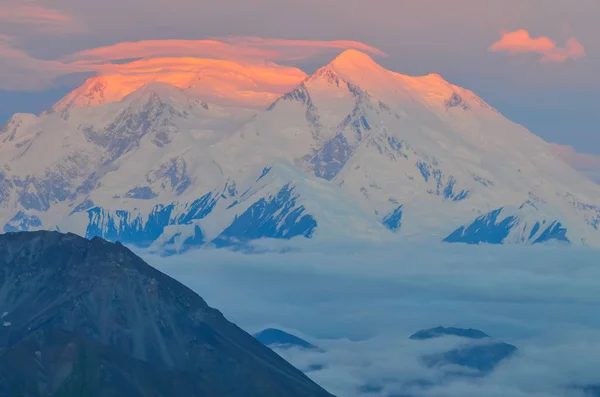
(354, 152)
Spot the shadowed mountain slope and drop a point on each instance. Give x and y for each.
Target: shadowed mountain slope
(90, 318)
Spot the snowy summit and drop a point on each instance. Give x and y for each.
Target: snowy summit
(353, 152)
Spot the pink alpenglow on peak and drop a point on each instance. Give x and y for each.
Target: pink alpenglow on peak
(356, 65)
(252, 86)
(355, 58)
(221, 82)
(359, 69)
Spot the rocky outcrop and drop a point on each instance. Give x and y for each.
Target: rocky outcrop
(89, 318)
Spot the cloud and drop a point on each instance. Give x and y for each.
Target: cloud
(22, 72)
(588, 164)
(171, 48)
(266, 73)
(245, 48)
(216, 81)
(393, 363)
(148, 57)
(417, 40)
(300, 49)
(521, 42)
(23, 14)
(542, 299)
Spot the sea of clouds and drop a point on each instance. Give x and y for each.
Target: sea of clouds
(361, 304)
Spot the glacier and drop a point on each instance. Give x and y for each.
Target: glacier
(353, 152)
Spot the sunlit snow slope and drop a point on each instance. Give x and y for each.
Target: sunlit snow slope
(354, 151)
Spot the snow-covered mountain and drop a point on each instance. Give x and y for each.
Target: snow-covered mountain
(217, 81)
(354, 151)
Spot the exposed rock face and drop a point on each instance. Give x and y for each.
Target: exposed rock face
(90, 318)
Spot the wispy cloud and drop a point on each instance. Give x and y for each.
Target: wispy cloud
(158, 56)
(300, 49)
(217, 81)
(587, 163)
(37, 19)
(245, 48)
(171, 48)
(22, 72)
(521, 42)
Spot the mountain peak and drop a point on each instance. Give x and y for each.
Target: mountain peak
(93, 92)
(353, 58)
(354, 63)
(163, 91)
(352, 66)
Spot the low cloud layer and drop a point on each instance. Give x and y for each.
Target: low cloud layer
(362, 304)
(521, 42)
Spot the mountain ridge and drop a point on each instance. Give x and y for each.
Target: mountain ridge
(393, 155)
(90, 317)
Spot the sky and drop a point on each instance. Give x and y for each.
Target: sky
(361, 304)
(537, 61)
(534, 60)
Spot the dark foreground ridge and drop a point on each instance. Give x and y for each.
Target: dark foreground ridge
(89, 318)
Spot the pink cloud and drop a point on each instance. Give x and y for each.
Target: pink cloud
(300, 49)
(170, 48)
(38, 18)
(588, 164)
(521, 42)
(218, 81)
(240, 48)
(167, 57)
(574, 158)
